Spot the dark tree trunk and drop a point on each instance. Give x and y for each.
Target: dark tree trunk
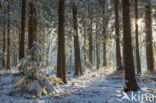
(130, 81)
(90, 35)
(149, 41)
(70, 55)
(61, 67)
(15, 58)
(97, 48)
(4, 40)
(104, 36)
(85, 42)
(118, 53)
(32, 27)
(104, 54)
(22, 35)
(78, 69)
(90, 46)
(8, 38)
(123, 60)
(136, 38)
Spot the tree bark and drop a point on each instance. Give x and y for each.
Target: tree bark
(71, 54)
(4, 41)
(85, 52)
(123, 60)
(136, 38)
(61, 67)
(104, 36)
(78, 68)
(8, 38)
(97, 48)
(149, 41)
(118, 53)
(130, 81)
(90, 35)
(22, 35)
(32, 25)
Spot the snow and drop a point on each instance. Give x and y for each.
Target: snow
(103, 86)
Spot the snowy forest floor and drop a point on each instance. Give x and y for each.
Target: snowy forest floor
(103, 86)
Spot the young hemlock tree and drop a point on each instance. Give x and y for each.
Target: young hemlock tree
(22, 35)
(61, 66)
(118, 53)
(130, 81)
(149, 37)
(33, 82)
(78, 68)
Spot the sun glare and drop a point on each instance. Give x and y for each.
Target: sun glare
(139, 21)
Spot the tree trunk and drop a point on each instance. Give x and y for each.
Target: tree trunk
(118, 53)
(104, 54)
(32, 27)
(97, 48)
(136, 38)
(61, 67)
(8, 38)
(71, 54)
(22, 35)
(78, 68)
(4, 40)
(90, 34)
(149, 41)
(123, 60)
(104, 36)
(130, 81)
(15, 58)
(85, 42)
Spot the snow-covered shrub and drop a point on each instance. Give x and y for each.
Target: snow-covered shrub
(54, 80)
(34, 82)
(105, 68)
(87, 67)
